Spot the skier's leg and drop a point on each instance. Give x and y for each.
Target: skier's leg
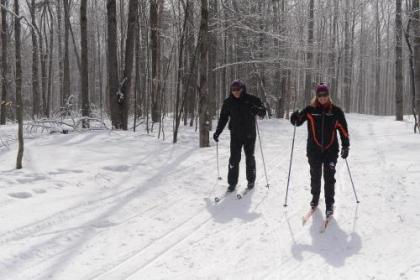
(249, 148)
(316, 173)
(329, 180)
(235, 158)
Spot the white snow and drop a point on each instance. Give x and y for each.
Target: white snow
(123, 205)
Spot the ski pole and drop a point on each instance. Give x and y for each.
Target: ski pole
(290, 165)
(262, 155)
(217, 156)
(351, 179)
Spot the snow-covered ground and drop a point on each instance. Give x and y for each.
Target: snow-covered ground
(118, 205)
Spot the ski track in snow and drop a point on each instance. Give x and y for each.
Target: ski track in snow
(120, 205)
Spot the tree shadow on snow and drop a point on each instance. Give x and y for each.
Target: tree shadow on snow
(230, 208)
(334, 245)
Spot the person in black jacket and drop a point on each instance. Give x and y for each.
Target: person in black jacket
(324, 120)
(240, 109)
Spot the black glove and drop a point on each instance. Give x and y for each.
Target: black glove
(216, 137)
(254, 110)
(294, 117)
(344, 152)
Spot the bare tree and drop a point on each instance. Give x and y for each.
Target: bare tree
(347, 63)
(124, 97)
(66, 63)
(309, 55)
(378, 61)
(155, 6)
(35, 63)
(398, 63)
(60, 50)
(84, 77)
(18, 82)
(4, 46)
(203, 109)
(416, 47)
(112, 56)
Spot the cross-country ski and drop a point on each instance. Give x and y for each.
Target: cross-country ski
(209, 139)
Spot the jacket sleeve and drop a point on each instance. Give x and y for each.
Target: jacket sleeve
(301, 118)
(260, 109)
(223, 119)
(343, 130)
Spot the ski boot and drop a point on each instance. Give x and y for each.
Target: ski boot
(329, 211)
(250, 185)
(231, 188)
(314, 201)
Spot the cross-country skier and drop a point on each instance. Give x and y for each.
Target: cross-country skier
(324, 120)
(240, 109)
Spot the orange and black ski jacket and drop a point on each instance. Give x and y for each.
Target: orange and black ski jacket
(323, 124)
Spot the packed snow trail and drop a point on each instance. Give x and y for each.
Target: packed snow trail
(118, 205)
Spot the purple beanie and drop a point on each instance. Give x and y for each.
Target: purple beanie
(322, 88)
(236, 83)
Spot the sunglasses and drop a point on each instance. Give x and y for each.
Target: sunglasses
(322, 94)
(236, 89)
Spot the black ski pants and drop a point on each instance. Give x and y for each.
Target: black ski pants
(236, 145)
(327, 164)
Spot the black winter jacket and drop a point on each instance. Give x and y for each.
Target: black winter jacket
(323, 123)
(241, 112)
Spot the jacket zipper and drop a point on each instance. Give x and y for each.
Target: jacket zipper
(322, 130)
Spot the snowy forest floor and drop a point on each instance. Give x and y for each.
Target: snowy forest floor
(123, 205)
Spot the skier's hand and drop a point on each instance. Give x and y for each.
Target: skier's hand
(216, 137)
(344, 152)
(294, 117)
(254, 110)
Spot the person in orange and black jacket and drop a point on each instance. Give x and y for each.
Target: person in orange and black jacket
(240, 109)
(324, 119)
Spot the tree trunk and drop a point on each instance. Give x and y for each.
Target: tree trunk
(35, 64)
(377, 62)
(19, 103)
(333, 54)
(4, 43)
(44, 57)
(347, 66)
(398, 64)
(137, 79)
(179, 101)
(155, 6)
(66, 73)
(361, 79)
(124, 99)
(84, 77)
(309, 55)
(212, 62)
(47, 107)
(112, 61)
(60, 51)
(416, 49)
(203, 109)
